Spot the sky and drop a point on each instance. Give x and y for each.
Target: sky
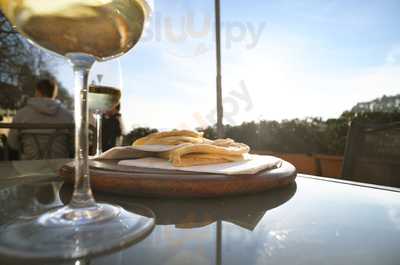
(281, 59)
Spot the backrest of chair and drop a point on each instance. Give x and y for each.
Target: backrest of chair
(45, 144)
(373, 154)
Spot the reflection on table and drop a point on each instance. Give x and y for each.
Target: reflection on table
(312, 222)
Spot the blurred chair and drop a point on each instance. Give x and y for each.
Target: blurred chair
(373, 154)
(44, 141)
(3, 148)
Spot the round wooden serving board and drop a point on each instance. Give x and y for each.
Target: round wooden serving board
(108, 176)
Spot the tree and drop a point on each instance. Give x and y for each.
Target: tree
(138, 133)
(21, 65)
(209, 132)
(8, 95)
(12, 53)
(383, 104)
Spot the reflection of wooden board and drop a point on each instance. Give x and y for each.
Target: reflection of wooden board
(108, 176)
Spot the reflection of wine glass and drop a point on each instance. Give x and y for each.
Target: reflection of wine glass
(104, 93)
(84, 31)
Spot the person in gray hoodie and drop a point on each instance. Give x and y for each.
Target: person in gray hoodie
(43, 108)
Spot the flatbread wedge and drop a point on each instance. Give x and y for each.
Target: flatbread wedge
(203, 159)
(206, 154)
(194, 150)
(171, 138)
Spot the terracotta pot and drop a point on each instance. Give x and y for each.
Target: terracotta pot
(330, 166)
(304, 163)
(319, 165)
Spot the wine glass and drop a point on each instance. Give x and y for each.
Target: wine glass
(83, 31)
(104, 93)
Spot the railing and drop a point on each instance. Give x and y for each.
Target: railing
(29, 126)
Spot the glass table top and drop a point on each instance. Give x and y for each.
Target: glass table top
(310, 222)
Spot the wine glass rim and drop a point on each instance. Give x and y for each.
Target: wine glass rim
(148, 6)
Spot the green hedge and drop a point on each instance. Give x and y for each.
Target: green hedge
(309, 136)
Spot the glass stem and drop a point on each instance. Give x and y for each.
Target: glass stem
(82, 196)
(99, 146)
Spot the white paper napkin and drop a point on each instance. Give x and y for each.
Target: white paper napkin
(251, 165)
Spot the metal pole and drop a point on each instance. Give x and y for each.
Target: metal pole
(220, 108)
(218, 260)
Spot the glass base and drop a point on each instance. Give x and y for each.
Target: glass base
(73, 233)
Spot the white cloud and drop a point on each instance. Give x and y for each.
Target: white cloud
(279, 88)
(170, 98)
(181, 91)
(283, 88)
(393, 57)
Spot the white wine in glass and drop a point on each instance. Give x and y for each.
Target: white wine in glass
(100, 28)
(102, 99)
(106, 84)
(83, 31)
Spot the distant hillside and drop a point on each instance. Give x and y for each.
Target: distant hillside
(383, 104)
